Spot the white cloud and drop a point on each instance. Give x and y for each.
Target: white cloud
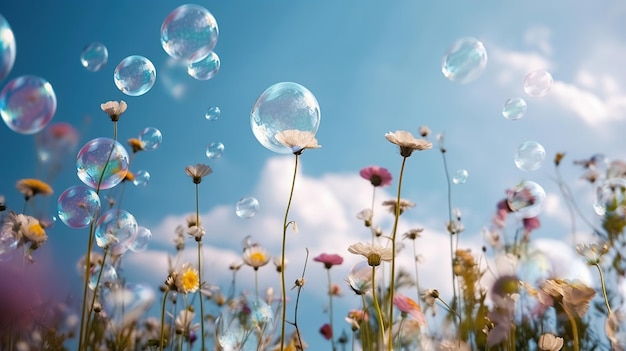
(515, 64)
(539, 37)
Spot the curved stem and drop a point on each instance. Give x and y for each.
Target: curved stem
(379, 314)
(604, 294)
(163, 320)
(572, 321)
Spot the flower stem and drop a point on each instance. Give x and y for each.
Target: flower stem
(604, 294)
(330, 309)
(199, 240)
(572, 321)
(379, 314)
(163, 320)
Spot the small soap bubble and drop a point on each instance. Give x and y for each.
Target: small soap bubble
(189, 33)
(142, 178)
(465, 60)
(244, 324)
(460, 177)
(206, 68)
(360, 277)
(514, 108)
(247, 207)
(102, 275)
(135, 75)
(94, 56)
(78, 206)
(7, 48)
(213, 113)
(27, 104)
(215, 150)
(94, 156)
(538, 83)
(283, 106)
(150, 138)
(143, 238)
(610, 197)
(116, 229)
(530, 156)
(527, 199)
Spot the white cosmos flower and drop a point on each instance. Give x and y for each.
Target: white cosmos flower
(374, 253)
(114, 109)
(407, 142)
(297, 140)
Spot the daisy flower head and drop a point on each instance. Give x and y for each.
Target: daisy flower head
(32, 231)
(329, 260)
(413, 233)
(256, 256)
(374, 253)
(392, 205)
(407, 142)
(198, 171)
(114, 109)
(378, 176)
(366, 215)
(30, 187)
(297, 140)
(187, 279)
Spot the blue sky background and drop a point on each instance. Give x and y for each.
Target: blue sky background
(374, 67)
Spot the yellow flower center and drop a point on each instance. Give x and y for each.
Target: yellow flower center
(190, 280)
(37, 230)
(257, 257)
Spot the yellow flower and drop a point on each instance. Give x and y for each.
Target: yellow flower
(135, 144)
(407, 142)
(31, 187)
(114, 109)
(187, 279)
(256, 256)
(297, 140)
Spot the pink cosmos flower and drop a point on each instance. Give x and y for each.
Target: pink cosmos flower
(531, 224)
(407, 305)
(326, 331)
(378, 176)
(329, 260)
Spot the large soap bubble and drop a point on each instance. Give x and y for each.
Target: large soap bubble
(97, 154)
(538, 83)
(116, 229)
(135, 75)
(527, 199)
(7, 48)
(94, 56)
(150, 138)
(206, 68)
(529, 156)
(27, 104)
(78, 206)
(189, 33)
(283, 106)
(465, 60)
(247, 207)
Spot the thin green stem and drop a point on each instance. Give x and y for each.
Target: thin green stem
(162, 334)
(330, 308)
(604, 294)
(372, 218)
(572, 321)
(256, 283)
(379, 314)
(366, 339)
(199, 240)
(417, 279)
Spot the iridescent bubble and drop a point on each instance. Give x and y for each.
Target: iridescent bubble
(8, 243)
(206, 68)
(244, 325)
(116, 229)
(527, 199)
(94, 56)
(142, 178)
(283, 106)
(247, 207)
(143, 238)
(97, 154)
(77, 206)
(360, 277)
(514, 108)
(189, 33)
(125, 303)
(214, 150)
(538, 83)
(135, 75)
(150, 138)
(56, 142)
(101, 276)
(465, 60)
(27, 104)
(529, 156)
(7, 48)
(610, 197)
(213, 113)
(460, 177)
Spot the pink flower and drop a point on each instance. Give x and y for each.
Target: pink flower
(407, 305)
(378, 176)
(326, 331)
(329, 260)
(531, 224)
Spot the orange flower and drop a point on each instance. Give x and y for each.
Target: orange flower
(30, 187)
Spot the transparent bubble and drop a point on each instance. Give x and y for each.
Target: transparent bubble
(8, 243)
(135, 75)
(527, 199)
(142, 178)
(150, 138)
(116, 229)
(538, 83)
(460, 177)
(77, 206)
(56, 142)
(94, 56)
(247, 207)
(189, 33)
(214, 150)
(27, 104)
(514, 108)
(206, 68)
(245, 325)
(465, 60)
(360, 277)
(102, 275)
(97, 154)
(173, 79)
(125, 304)
(7, 48)
(610, 197)
(213, 113)
(529, 156)
(143, 238)
(535, 267)
(283, 106)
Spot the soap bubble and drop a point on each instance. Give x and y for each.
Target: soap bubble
(206, 68)
(78, 206)
(116, 229)
(244, 325)
(247, 207)
(135, 75)
(214, 150)
(360, 277)
(125, 303)
(460, 177)
(189, 33)
(150, 138)
(54, 146)
(7, 48)
(102, 276)
(535, 268)
(213, 113)
(8, 243)
(465, 60)
(527, 199)
(93, 157)
(514, 108)
(143, 238)
(610, 197)
(27, 104)
(283, 106)
(529, 156)
(142, 178)
(94, 56)
(538, 83)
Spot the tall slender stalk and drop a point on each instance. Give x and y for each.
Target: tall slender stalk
(379, 314)
(330, 308)
(163, 320)
(199, 240)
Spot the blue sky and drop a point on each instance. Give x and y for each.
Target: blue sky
(374, 67)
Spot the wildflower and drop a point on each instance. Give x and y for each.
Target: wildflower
(424, 131)
(335, 290)
(413, 234)
(374, 253)
(297, 140)
(359, 315)
(30, 187)
(256, 256)
(430, 296)
(329, 260)
(33, 232)
(407, 142)
(558, 158)
(187, 279)
(327, 331)
(354, 325)
(592, 252)
(278, 262)
(198, 171)
(378, 176)
(135, 144)
(235, 266)
(456, 345)
(574, 296)
(298, 283)
(196, 232)
(394, 204)
(183, 322)
(366, 215)
(549, 342)
(406, 305)
(531, 224)
(114, 109)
